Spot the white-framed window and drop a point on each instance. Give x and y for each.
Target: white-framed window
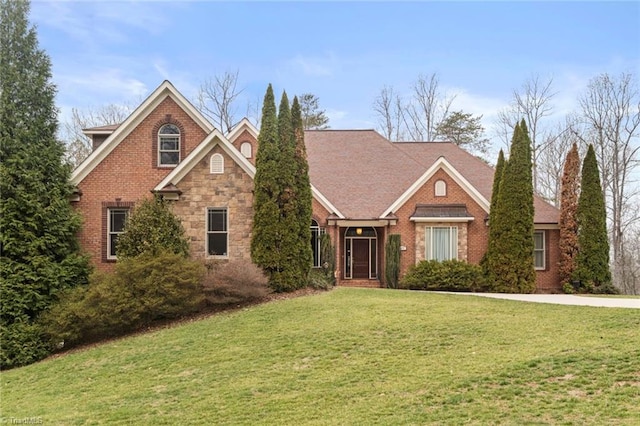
(217, 164)
(246, 149)
(441, 243)
(217, 232)
(441, 188)
(168, 145)
(316, 233)
(539, 245)
(116, 219)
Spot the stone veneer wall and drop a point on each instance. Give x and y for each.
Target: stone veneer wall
(201, 190)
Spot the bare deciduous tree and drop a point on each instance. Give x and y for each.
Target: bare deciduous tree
(389, 110)
(557, 143)
(533, 103)
(77, 143)
(416, 118)
(427, 108)
(217, 99)
(611, 112)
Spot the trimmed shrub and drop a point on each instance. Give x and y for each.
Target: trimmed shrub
(235, 281)
(141, 290)
(392, 258)
(449, 275)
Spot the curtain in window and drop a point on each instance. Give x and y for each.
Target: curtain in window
(441, 243)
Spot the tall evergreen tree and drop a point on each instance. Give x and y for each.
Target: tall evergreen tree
(303, 191)
(568, 215)
(266, 213)
(39, 251)
(490, 256)
(287, 276)
(512, 270)
(592, 261)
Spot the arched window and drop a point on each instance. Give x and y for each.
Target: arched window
(168, 145)
(246, 149)
(441, 188)
(217, 164)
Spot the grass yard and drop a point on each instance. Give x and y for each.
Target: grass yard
(352, 356)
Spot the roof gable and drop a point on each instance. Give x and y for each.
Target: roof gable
(217, 138)
(214, 138)
(440, 164)
(166, 89)
(243, 125)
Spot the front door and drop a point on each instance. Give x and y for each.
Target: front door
(360, 248)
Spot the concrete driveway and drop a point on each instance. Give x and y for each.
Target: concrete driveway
(564, 299)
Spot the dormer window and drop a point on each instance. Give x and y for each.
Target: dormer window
(168, 145)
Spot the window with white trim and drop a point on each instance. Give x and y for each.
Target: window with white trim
(217, 232)
(169, 145)
(316, 233)
(116, 219)
(217, 164)
(539, 250)
(441, 188)
(246, 149)
(441, 243)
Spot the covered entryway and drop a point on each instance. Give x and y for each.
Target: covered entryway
(361, 257)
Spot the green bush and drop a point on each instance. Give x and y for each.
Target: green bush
(141, 290)
(392, 257)
(235, 281)
(567, 288)
(22, 344)
(450, 275)
(152, 228)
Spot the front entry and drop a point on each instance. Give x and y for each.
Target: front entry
(361, 260)
(360, 265)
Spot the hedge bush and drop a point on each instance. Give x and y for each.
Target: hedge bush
(141, 290)
(449, 275)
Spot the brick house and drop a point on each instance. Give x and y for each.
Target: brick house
(435, 195)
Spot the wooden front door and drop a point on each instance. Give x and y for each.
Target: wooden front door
(361, 258)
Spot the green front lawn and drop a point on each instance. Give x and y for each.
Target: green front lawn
(352, 356)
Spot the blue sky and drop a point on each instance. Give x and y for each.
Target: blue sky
(344, 52)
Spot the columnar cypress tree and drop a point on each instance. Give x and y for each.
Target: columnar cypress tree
(392, 260)
(287, 276)
(592, 261)
(266, 213)
(39, 251)
(303, 192)
(490, 255)
(513, 269)
(568, 215)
